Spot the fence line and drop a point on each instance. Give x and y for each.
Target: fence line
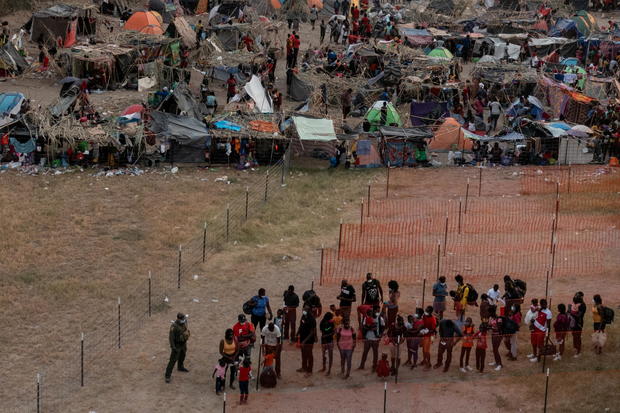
(58, 382)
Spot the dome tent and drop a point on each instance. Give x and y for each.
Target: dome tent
(373, 119)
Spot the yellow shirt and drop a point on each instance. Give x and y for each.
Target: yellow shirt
(596, 317)
(337, 321)
(463, 291)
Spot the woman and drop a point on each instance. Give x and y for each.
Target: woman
(345, 338)
(229, 350)
(495, 323)
(577, 311)
(412, 333)
(395, 338)
(327, 341)
(390, 307)
(429, 327)
(598, 337)
(561, 327)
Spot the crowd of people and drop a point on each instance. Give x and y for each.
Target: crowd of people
(377, 323)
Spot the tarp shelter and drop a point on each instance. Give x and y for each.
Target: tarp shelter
(585, 23)
(256, 91)
(417, 37)
(11, 61)
(299, 90)
(441, 53)
(148, 22)
(426, 113)
(564, 28)
(62, 22)
(441, 6)
(374, 117)
(366, 153)
(310, 129)
(10, 106)
(190, 136)
(449, 136)
(181, 102)
(229, 35)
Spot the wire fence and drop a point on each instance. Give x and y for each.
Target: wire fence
(55, 384)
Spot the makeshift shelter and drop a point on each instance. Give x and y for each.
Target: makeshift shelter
(564, 28)
(147, 22)
(179, 28)
(366, 154)
(445, 7)
(256, 91)
(374, 118)
(11, 61)
(10, 106)
(416, 37)
(61, 24)
(449, 136)
(399, 144)
(441, 53)
(189, 137)
(313, 137)
(299, 90)
(229, 35)
(182, 102)
(426, 113)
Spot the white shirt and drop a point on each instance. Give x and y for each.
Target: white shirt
(496, 108)
(493, 296)
(539, 326)
(271, 337)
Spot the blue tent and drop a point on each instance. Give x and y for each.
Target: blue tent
(564, 28)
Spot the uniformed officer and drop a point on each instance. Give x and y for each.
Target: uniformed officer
(179, 334)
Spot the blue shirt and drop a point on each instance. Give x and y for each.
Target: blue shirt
(440, 291)
(261, 305)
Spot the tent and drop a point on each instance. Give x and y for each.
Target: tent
(585, 23)
(299, 90)
(256, 91)
(62, 22)
(10, 106)
(373, 116)
(190, 136)
(148, 22)
(564, 28)
(424, 113)
(162, 9)
(181, 101)
(11, 61)
(441, 53)
(449, 136)
(366, 153)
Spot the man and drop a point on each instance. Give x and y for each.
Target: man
(199, 31)
(231, 88)
(540, 329)
(291, 302)
(259, 311)
(307, 338)
(372, 328)
(440, 292)
(245, 334)
(336, 7)
(429, 325)
(323, 28)
(494, 295)
(496, 110)
(449, 335)
(346, 99)
(271, 343)
(345, 8)
(384, 114)
(211, 103)
(314, 15)
(296, 46)
(347, 298)
(179, 334)
(460, 303)
(372, 293)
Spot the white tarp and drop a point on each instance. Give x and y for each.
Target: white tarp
(255, 89)
(547, 41)
(310, 129)
(146, 83)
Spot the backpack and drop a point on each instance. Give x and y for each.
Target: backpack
(607, 314)
(521, 287)
(509, 326)
(472, 295)
(249, 305)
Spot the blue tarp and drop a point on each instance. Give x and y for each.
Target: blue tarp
(224, 124)
(564, 28)
(8, 101)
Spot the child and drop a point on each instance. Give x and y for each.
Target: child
(383, 366)
(561, 327)
(220, 375)
(337, 316)
(268, 378)
(468, 342)
(531, 315)
(481, 347)
(245, 373)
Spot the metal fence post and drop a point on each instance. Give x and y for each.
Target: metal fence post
(438, 256)
(247, 201)
(466, 195)
(179, 269)
(362, 216)
(445, 238)
(227, 222)
(546, 391)
(266, 185)
(387, 182)
(340, 239)
(224, 404)
(119, 322)
(480, 182)
(321, 273)
(38, 392)
(82, 360)
(282, 170)
(204, 242)
(423, 291)
(460, 208)
(385, 397)
(368, 202)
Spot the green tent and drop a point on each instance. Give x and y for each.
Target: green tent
(580, 71)
(585, 22)
(441, 53)
(373, 116)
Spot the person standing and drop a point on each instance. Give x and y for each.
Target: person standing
(428, 330)
(336, 7)
(372, 294)
(390, 307)
(372, 328)
(245, 374)
(347, 298)
(229, 350)
(468, 343)
(245, 335)
(178, 336)
(314, 15)
(561, 327)
(598, 320)
(327, 342)
(494, 295)
(495, 111)
(346, 100)
(219, 373)
(291, 302)
(460, 303)
(231, 88)
(449, 335)
(495, 323)
(540, 328)
(481, 347)
(511, 328)
(322, 28)
(413, 326)
(296, 46)
(345, 337)
(440, 292)
(577, 311)
(260, 309)
(307, 337)
(271, 343)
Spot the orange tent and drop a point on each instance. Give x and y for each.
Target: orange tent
(448, 134)
(148, 22)
(276, 4)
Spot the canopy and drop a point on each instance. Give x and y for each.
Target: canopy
(310, 129)
(373, 116)
(148, 22)
(441, 53)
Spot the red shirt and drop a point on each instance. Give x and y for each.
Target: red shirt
(243, 329)
(355, 13)
(430, 323)
(231, 85)
(244, 373)
(296, 43)
(363, 309)
(365, 21)
(481, 340)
